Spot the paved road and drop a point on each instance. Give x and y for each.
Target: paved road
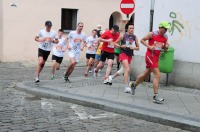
(20, 111)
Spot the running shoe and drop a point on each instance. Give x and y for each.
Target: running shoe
(110, 78)
(127, 89)
(67, 80)
(52, 77)
(37, 80)
(99, 73)
(133, 87)
(95, 73)
(86, 75)
(157, 99)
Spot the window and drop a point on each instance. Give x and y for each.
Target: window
(69, 19)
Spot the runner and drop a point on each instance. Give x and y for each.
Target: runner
(92, 43)
(98, 58)
(46, 37)
(75, 43)
(99, 30)
(156, 41)
(107, 52)
(129, 43)
(58, 54)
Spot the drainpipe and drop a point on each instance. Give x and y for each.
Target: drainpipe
(151, 15)
(151, 24)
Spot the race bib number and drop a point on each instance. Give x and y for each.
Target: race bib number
(59, 48)
(77, 41)
(91, 48)
(46, 44)
(158, 45)
(129, 43)
(111, 45)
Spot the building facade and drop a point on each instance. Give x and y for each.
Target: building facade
(21, 20)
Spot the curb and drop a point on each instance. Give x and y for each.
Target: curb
(156, 116)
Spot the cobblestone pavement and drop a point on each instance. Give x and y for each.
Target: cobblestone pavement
(20, 111)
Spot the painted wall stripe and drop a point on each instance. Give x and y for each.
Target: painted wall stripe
(127, 5)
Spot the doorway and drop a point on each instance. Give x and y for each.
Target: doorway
(115, 18)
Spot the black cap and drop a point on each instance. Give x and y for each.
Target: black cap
(48, 23)
(116, 28)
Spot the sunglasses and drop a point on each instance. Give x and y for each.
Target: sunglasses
(164, 28)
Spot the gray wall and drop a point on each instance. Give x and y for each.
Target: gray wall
(184, 74)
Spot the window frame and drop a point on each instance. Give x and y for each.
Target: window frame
(73, 16)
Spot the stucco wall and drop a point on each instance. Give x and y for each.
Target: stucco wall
(184, 20)
(22, 23)
(184, 37)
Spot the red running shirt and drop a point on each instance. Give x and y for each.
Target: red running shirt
(152, 57)
(106, 46)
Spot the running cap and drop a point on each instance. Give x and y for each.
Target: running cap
(116, 28)
(48, 23)
(164, 24)
(98, 26)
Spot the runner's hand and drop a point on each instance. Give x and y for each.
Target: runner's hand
(123, 46)
(69, 47)
(49, 39)
(166, 46)
(42, 40)
(152, 47)
(63, 50)
(131, 47)
(110, 40)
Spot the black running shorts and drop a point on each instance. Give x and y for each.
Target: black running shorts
(43, 53)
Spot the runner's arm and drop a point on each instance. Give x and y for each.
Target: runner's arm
(137, 46)
(116, 43)
(67, 45)
(40, 40)
(166, 46)
(145, 38)
(83, 45)
(55, 40)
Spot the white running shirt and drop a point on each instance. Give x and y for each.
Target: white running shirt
(91, 48)
(75, 40)
(57, 48)
(43, 34)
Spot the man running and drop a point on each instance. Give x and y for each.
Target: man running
(107, 52)
(75, 43)
(157, 40)
(129, 43)
(58, 54)
(46, 37)
(92, 44)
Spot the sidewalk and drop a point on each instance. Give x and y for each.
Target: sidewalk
(181, 107)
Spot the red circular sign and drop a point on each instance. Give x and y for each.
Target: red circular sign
(127, 6)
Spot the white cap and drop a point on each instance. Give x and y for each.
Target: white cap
(98, 25)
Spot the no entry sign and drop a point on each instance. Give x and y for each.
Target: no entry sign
(127, 6)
